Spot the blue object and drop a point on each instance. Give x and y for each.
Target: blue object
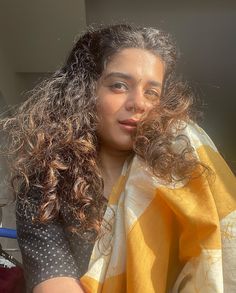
(8, 233)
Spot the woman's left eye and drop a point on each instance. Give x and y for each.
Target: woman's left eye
(119, 86)
(152, 93)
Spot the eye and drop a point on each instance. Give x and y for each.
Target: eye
(152, 94)
(119, 86)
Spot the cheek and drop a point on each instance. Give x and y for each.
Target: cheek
(108, 107)
(149, 107)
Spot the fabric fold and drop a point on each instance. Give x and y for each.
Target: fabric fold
(169, 238)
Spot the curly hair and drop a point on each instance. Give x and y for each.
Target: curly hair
(52, 139)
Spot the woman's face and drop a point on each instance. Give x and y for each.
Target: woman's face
(129, 86)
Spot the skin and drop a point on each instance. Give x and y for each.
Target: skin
(59, 285)
(129, 94)
(129, 87)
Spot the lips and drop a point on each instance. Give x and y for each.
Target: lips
(128, 125)
(129, 122)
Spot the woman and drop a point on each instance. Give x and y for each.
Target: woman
(118, 190)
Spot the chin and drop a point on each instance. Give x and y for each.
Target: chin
(126, 146)
(118, 143)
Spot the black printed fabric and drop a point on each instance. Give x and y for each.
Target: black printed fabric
(48, 250)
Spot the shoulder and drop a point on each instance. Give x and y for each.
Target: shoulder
(48, 250)
(28, 204)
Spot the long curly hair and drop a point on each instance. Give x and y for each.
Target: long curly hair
(52, 139)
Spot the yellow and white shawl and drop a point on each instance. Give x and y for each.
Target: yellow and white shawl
(179, 238)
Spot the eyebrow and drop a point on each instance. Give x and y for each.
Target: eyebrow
(129, 77)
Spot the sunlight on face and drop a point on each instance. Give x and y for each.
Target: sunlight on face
(130, 86)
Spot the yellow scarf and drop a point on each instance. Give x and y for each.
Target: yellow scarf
(175, 238)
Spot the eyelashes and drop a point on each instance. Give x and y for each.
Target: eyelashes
(121, 87)
(153, 93)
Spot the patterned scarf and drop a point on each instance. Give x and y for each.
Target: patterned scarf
(168, 238)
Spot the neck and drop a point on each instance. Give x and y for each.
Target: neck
(111, 162)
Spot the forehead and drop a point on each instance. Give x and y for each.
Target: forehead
(139, 63)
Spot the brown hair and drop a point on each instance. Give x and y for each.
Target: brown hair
(52, 136)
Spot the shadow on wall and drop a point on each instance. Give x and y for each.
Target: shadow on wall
(7, 212)
(5, 193)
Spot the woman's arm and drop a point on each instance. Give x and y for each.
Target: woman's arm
(59, 285)
(49, 264)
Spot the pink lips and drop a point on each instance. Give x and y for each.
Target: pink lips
(128, 124)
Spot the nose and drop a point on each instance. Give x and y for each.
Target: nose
(136, 101)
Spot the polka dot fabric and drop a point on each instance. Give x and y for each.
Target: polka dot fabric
(48, 250)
